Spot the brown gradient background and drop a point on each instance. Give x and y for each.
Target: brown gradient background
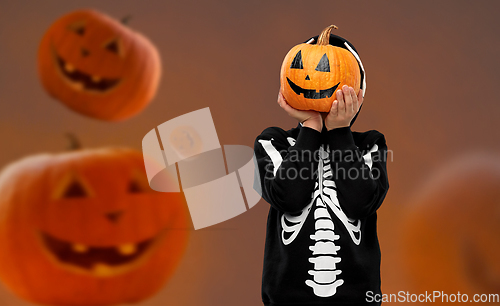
(432, 72)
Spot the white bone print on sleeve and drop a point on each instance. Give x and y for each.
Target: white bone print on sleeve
(272, 153)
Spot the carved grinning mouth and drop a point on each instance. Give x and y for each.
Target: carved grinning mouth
(100, 261)
(311, 93)
(80, 80)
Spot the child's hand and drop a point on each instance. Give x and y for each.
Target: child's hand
(344, 108)
(308, 118)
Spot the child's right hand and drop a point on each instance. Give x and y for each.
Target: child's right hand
(308, 118)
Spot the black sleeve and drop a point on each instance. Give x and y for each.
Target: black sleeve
(360, 190)
(286, 172)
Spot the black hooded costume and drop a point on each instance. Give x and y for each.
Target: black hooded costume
(324, 190)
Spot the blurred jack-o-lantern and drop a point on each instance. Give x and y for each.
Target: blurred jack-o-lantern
(97, 66)
(84, 228)
(311, 73)
(450, 237)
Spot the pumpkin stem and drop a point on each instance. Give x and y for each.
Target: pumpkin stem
(126, 19)
(324, 37)
(74, 143)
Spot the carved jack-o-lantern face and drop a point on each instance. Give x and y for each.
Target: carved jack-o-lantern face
(310, 74)
(97, 66)
(84, 228)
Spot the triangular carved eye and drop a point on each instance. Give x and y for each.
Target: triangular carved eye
(138, 182)
(297, 61)
(324, 64)
(113, 46)
(78, 28)
(80, 31)
(72, 186)
(135, 187)
(75, 190)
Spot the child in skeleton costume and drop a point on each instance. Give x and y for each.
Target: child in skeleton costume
(325, 184)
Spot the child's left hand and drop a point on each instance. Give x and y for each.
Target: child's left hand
(344, 108)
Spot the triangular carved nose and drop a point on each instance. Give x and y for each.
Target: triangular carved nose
(84, 52)
(114, 216)
(307, 78)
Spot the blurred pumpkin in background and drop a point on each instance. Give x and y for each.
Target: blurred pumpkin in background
(84, 228)
(97, 66)
(450, 236)
(311, 73)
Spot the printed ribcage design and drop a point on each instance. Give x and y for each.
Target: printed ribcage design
(325, 252)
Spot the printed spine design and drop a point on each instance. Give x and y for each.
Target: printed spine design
(324, 275)
(325, 258)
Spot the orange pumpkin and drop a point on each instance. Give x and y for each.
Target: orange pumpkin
(450, 237)
(84, 228)
(97, 66)
(310, 74)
